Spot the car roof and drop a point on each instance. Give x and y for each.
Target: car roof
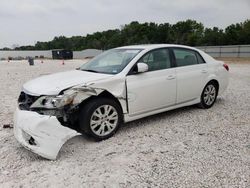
(154, 46)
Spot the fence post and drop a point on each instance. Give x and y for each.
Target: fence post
(220, 50)
(239, 51)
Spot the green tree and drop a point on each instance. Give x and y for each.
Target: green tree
(189, 32)
(213, 36)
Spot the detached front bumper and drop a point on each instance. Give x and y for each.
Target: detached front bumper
(42, 134)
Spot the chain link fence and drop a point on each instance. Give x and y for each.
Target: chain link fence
(227, 51)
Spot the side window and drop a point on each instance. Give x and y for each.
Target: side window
(200, 59)
(185, 57)
(157, 60)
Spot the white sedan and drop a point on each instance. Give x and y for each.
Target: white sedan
(120, 85)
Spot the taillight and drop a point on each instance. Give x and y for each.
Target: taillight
(226, 66)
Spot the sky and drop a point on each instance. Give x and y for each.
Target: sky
(24, 22)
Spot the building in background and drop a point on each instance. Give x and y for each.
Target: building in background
(48, 54)
(62, 54)
(24, 54)
(88, 53)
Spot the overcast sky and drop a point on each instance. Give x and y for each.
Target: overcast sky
(25, 22)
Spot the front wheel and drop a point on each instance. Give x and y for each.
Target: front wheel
(100, 118)
(209, 95)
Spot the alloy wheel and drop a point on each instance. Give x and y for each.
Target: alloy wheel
(104, 120)
(209, 94)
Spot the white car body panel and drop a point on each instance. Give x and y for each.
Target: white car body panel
(151, 90)
(128, 117)
(48, 133)
(60, 81)
(190, 82)
(139, 95)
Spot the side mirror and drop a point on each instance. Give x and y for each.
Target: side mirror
(142, 67)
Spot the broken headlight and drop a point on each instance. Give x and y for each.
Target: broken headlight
(54, 102)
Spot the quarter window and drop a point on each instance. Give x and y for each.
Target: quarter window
(200, 60)
(157, 59)
(185, 57)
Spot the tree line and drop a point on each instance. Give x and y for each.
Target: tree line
(189, 32)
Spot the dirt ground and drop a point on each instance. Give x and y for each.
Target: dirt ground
(188, 147)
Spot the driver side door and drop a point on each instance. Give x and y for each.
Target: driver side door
(154, 89)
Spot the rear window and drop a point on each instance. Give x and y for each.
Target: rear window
(185, 57)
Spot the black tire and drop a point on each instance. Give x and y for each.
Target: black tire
(89, 111)
(205, 95)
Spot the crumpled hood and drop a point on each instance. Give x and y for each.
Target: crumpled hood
(53, 84)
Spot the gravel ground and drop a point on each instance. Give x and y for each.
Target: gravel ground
(188, 147)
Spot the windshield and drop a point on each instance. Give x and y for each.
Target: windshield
(110, 62)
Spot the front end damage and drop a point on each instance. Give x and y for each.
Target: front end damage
(42, 134)
(43, 123)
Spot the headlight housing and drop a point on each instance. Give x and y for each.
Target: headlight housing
(55, 102)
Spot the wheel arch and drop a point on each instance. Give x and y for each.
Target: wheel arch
(105, 94)
(216, 82)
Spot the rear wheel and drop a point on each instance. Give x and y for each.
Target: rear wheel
(209, 95)
(100, 118)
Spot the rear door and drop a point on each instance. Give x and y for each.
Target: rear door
(191, 73)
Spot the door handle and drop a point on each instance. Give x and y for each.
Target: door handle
(170, 77)
(204, 71)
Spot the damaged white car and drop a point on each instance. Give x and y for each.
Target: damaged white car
(120, 85)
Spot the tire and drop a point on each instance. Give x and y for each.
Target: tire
(100, 118)
(209, 95)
